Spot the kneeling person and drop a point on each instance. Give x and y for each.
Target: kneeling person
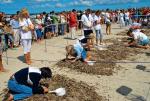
(25, 83)
(78, 52)
(139, 39)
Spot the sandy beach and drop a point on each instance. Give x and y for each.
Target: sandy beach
(134, 81)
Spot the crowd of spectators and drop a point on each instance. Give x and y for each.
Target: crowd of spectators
(54, 24)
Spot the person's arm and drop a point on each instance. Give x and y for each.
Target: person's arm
(79, 51)
(36, 87)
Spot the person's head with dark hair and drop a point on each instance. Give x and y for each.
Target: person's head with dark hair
(107, 10)
(97, 12)
(17, 12)
(88, 11)
(73, 10)
(129, 33)
(46, 72)
(44, 13)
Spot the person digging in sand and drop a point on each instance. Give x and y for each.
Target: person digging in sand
(138, 39)
(78, 52)
(26, 82)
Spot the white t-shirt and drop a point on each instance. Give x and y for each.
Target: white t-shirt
(135, 24)
(97, 19)
(107, 17)
(62, 19)
(38, 22)
(14, 23)
(25, 23)
(87, 21)
(139, 36)
(127, 15)
(121, 16)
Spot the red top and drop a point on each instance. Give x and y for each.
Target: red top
(72, 19)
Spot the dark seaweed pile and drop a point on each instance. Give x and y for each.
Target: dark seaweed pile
(105, 59)
(76, 91)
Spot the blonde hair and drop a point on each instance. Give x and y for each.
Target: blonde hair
(22, 14)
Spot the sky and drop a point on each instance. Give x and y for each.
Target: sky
(37, 6)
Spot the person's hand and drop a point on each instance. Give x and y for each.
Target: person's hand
(126, 45)
(45, 89)
(73, 61)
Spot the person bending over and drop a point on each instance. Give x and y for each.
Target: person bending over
(25, 82)
(138, 39)
(78, 52)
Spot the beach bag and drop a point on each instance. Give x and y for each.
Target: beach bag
(88, 24)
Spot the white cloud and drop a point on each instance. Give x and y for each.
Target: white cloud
(86, 2)
(59, 5)
(43, 6)
(46, 0)
(6, 1)
(95, 2)
(114, 1)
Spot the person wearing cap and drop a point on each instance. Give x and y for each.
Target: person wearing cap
(138, 39)
(26, 82)
(26, 28)
(87, 21)
(1, 49)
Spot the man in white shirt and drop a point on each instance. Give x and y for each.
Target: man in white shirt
(87, 21)
(15, 25)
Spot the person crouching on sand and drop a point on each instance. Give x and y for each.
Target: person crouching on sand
(138, 39)
(78, 52)
(26, 82)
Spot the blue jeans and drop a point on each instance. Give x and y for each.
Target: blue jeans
(21, 91)
(53, 28)
(39, 33)
(62, 29)
(99, 34)
(144, 42)
(83, 54)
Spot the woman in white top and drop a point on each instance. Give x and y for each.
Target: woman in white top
(26, 27)
(97, 27)
(122, 23)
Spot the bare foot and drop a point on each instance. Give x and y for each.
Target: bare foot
(10, 97)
